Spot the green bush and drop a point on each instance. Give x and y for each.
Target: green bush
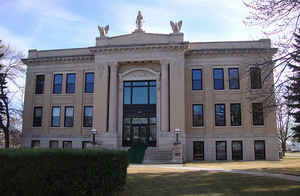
(74, 172)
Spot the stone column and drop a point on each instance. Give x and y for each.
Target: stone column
(164, 95)
(113, 97)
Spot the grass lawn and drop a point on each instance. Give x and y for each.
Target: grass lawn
(171, 182)
(290, 164)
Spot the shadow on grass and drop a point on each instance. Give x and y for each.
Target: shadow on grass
(205, 183)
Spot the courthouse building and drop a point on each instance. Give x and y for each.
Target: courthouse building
(147, 87)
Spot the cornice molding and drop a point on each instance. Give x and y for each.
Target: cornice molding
(230, 51)
(59, 59)
(139, 47)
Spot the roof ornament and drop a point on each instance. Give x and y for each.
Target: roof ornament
(103, 31)
(176, 26)
(139, 22)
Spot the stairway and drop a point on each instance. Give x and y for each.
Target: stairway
(156, 156)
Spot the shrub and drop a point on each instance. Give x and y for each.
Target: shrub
(43, 172)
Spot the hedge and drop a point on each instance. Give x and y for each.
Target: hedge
(76, 172)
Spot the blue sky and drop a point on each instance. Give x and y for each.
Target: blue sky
(53, 24)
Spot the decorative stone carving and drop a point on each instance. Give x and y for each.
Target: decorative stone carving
(103, 31)
(139, 22)
(176, 26)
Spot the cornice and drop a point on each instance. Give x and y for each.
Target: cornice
(139, 47)
(230, 51)
(59, 59)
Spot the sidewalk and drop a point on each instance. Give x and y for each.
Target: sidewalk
(182, 167)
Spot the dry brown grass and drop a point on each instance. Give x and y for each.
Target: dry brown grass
(288, 165)
(159, 181)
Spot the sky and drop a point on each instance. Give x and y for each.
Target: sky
(55, 24)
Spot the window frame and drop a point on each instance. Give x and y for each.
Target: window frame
(85, 117)
(230, 79)
(241, 152)
(52, 119)
(201, 158)
(32, 143)
(194, 115)
(224, 124)
(67, 141)
(256, 114)
(225, 158)
(60, 84)
(256, 154)
(223, 85)
(197, 80)
(68, 90)
(131, 86)
(86, 86)
(65, 116)
(35, 120)
(255, 80)
(240, 114)
(50, 144)
(39, 86)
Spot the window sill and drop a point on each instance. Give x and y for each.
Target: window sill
(203, 127)
(258, 126)
(222, 127)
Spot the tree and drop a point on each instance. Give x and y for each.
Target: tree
(12, 73)
(4, 109)
(294, 87)
(279, 20)
(284, 119)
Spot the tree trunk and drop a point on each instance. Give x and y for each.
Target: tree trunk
(6, 138)
(283, 146)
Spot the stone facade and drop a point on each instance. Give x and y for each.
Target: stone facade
(168, 60)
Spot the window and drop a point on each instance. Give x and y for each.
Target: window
(221, 152)
(37, 116)
(198, 115)
(39, 84)
(237, 150)
(197, 79)
(89, 82)
(88, 116)
(53, 144)
(69, 116)
(255, 76)
(57, 83)
(55, 117)
(235, 114)
(140, 92)
(234, 81)
(218, 79)
(257, 114)
(198, 147)
(71, 80)
(67, 144)
(35, 144)
(220, 119)
(259, 149)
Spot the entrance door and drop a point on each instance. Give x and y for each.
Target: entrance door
(139, 134)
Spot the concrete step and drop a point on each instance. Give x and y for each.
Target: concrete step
(157, 156)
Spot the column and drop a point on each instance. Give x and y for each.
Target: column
(113, 98)
(164, 95)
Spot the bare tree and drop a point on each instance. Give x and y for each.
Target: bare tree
(11, 88)
(284, 119)
(279, 19)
